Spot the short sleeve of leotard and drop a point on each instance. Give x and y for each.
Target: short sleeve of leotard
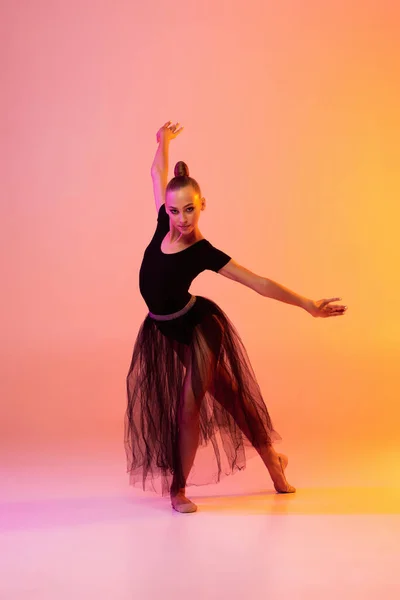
(214, 259)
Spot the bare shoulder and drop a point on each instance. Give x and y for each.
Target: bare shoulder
(232, 270)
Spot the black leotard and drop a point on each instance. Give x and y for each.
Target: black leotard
(165, 279)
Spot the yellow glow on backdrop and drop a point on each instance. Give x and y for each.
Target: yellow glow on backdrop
(292, 128)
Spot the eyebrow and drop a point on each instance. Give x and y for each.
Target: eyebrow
(186, 205)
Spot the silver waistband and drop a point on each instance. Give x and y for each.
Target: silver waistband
(181, 312)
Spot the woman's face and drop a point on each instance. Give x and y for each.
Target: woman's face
(184, 207)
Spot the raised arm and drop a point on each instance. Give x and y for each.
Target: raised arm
(159, 168)
(271, 289)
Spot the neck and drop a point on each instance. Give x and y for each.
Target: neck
(191, 237)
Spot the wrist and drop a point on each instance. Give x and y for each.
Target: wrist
(164, 141)
(307, 304)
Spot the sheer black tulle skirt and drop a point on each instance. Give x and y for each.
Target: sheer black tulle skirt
(203, 346)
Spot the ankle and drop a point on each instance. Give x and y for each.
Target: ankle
(177, 492)
(269, 454)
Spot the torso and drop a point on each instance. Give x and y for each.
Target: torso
(167, 270)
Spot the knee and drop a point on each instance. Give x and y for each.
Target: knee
(188, 409)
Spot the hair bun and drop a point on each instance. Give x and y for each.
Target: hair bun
(181, 169)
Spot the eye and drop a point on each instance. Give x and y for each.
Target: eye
(174, 211)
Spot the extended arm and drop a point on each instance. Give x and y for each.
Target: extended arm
(271, 289)
(159, 168)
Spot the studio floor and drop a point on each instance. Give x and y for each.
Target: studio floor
(65, 535)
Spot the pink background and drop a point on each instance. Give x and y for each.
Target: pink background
(291, 116)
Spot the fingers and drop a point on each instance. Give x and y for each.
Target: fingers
(329, 300)
(325, 304)
(168, 131)
(336, 307)
(336, 311)
(326, 310)
(175, 128)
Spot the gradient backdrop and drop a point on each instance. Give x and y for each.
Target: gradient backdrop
(292, 126)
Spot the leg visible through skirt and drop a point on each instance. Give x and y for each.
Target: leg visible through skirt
(223, 392)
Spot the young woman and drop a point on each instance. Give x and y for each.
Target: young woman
(190, 384)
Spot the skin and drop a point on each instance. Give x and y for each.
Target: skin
(184, 208)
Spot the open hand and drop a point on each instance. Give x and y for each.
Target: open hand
(168, 131)
(324, 308)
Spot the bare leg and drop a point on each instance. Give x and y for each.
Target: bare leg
(188, 442)
(225, 393)
(189, 422)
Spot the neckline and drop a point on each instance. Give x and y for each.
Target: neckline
(179, 251)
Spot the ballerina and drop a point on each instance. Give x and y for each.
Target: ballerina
(190, 376)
